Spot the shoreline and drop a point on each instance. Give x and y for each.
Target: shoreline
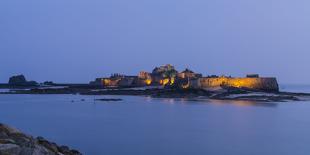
(221, 94)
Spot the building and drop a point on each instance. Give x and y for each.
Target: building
(144, 75)
(187, 73)
(144, 79)
(168, 76)
(116, 80)
(164, 75)
(252, 76)
(127, 81)
(254, 83)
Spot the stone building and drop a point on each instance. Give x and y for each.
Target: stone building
(167, 75)
(255, 83)
(116, 80)
(164, 75)
(127, 81)
(187, 73)
(144, 75)
(144, 79)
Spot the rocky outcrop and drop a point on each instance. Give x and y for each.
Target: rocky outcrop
(20, 80)
(14, 142)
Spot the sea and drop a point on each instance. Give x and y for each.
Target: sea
(140, 125)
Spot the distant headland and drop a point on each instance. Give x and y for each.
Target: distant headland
(165, 81)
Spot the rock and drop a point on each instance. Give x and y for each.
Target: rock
(10, 149)
(3, 135)
(22, 139)
(75, 152)
(7, 141)
(47, 144)
(109, 99)
(8, 130)
(14, 142)
(37, 150)
(64, 149)
(49, 83)
(20, 80)
(17, 80)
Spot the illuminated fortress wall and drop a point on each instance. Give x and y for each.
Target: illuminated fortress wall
(266, 84)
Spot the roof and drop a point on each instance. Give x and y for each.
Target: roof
(187, 71)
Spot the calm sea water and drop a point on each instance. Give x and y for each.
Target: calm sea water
(146, 126)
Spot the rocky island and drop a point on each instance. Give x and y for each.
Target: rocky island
(166, 82)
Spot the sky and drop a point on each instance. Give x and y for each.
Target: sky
(78, 40)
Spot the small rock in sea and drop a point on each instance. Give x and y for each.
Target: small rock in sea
(109, 99)
(82, 99)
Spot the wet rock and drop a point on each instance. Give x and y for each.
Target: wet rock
(10, 149)
(64, 149)
(109, 99)
(20, 80)
(3, 135)
(7, 141)
(50, 146)
(14, 142)
(8, 130)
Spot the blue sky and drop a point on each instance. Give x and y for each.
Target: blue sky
(78, 40)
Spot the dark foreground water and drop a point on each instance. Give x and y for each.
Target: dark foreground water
(145, 126)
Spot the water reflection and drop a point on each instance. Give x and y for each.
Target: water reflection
(172, 126)
(4, 90)
(211, 101)
(244, 103)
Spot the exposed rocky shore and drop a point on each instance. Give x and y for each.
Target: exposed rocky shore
(219, 94)
(14, 142)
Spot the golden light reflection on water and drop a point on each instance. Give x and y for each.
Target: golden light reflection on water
(205, 101)
(242, 103)
(235, 102)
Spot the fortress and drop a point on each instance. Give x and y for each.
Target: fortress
(168, 76)
(254, 83)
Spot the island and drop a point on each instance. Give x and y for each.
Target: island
(167, 82)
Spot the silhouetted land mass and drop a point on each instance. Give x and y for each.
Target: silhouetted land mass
(170, 91)
(223, 94)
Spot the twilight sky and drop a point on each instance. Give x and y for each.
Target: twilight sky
(78, 40)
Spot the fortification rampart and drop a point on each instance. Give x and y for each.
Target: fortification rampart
(265, 84)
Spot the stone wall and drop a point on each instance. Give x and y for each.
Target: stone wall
(265, 84)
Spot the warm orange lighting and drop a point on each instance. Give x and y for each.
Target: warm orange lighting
(164, 82)
(106, 81)
(172, 80)
(185, 86)
(232, 82)
(148, 81)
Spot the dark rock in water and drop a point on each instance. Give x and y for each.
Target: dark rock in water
(16, 80)
(109, 99)
(14, 142)
(49, 83)
(20, 80)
